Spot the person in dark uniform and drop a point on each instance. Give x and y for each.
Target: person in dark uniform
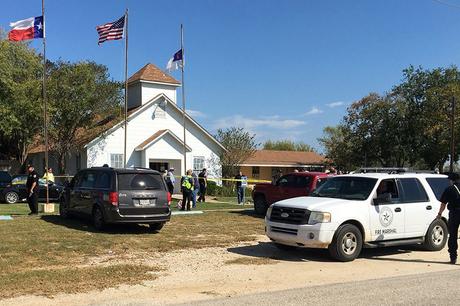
(451, 198)
(203, 180)
(239, 187)
(32, 190)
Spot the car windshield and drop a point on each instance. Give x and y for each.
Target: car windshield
(346, 187)
(19, 180)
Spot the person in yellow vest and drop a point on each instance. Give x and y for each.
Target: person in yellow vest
(49, 176)
(186, 184)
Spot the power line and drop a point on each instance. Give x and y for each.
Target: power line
(448, 4)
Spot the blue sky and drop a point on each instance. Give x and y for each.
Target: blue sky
(281, 69)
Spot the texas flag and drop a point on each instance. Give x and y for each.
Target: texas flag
(29, 28)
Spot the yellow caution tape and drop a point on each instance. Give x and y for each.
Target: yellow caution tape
(249, 180)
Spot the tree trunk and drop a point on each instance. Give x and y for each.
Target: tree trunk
(61, 162)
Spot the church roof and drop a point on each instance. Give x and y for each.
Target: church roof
(152, 73)
(284, 158)
(157, 136)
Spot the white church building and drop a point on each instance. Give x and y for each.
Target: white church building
(155, 133)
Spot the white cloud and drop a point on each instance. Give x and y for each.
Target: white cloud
(313, 111)
(335, 104)
(195, 113)
(252, 124)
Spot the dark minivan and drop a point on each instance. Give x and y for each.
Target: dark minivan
(108, 195)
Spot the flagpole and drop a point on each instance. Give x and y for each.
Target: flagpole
(183, 93)
(126, 87)
(45, 108)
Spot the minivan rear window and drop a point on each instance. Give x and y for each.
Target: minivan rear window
(139, 181)
(438, 184)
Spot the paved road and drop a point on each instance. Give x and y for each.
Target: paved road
(437, 288)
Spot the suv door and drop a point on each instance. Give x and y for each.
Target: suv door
(386, 213)
(419, 212)
(302, 186)
(74, 191)
(88, 182)
(286, 186)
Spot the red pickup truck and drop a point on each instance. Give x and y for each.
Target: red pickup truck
(291, 185)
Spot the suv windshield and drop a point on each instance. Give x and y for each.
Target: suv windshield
(349, 188)
(139, 181)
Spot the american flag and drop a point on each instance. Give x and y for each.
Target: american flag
(111, 30)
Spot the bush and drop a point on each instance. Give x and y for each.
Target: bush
(212, 188)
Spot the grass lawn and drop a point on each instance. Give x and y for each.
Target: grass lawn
(58, 255)
(218, 203)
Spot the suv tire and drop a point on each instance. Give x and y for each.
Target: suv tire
(436, 236)
(11, 197)
(98, 218)
(156, 227)
(260, 205)
(347, 243)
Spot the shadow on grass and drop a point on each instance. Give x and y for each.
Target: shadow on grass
(249, 212)
(82, 224)
(271, 251)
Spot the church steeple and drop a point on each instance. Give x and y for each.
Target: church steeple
(147, 83)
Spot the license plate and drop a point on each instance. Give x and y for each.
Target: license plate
(144, 202)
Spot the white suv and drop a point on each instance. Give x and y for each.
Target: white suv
(350, 212)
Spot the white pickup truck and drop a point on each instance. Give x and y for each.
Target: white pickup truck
(350, 212)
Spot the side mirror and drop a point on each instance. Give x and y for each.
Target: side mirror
(382, 200)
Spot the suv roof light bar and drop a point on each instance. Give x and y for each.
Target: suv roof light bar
(392, 170)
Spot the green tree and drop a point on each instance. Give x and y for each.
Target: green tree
(287, 145)
(338, 150)
(376, 127)
(80, 94)
(21, 110)
(240, 146)
(427, 94)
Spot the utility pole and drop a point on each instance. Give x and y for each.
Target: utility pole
(126, 89)
(452, 135)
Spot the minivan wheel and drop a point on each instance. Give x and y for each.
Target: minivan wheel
(260, 205)
(155, 227)
(347, 243)
(11, 197)
(436, 236)
(98, 218)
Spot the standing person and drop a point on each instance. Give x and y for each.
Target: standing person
(196, 188)
(451, 198)
(186, 184)
(32, 190)
(277, 176)
(203, 180)
(239, 187)
(170, 180)
(49, 176)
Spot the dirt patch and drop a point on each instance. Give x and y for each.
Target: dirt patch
(73, 280)
(251, 261)
(207, 273)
